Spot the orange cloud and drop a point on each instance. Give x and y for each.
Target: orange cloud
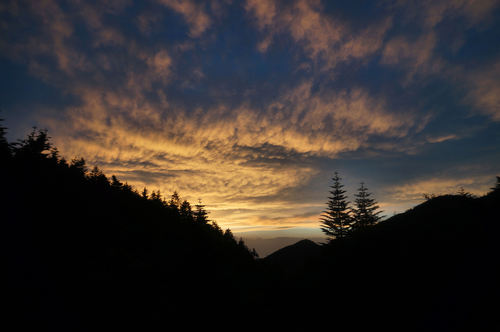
(321, 36)
(414, 191)
(484, 90)
(263, 10)
(194, 14)
(417, 55)
(440, 139)
(434, 12)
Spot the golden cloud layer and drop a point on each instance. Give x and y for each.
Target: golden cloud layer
(222, 154)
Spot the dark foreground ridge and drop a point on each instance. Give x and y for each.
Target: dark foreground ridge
(303, 248)
(293, 258)
(84, 253)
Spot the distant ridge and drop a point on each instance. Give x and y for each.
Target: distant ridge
(267, 246)
(295, 256)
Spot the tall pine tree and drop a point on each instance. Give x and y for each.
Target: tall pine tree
(4, 145)
(200, 214)
(336, 221)
(365, 212)
(186, 211)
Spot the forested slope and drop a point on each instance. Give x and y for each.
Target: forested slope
(81, 249)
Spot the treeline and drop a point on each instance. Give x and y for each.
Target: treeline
(37, 152)
(82, 248)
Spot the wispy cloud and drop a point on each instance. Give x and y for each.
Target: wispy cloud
(194, 14)
(484, 90)
(416, 55)
(323, 38)
(415, 190)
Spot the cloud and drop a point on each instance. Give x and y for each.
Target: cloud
(415, 190)
(322, 37)
(440, 139)
(416, 55)
(56, 29)
(194, 14)
(263, 10)
(484, 90)
(430, 13)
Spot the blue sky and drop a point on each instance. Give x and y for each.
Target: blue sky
(252, 105)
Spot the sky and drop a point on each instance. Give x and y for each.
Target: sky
(252, 105)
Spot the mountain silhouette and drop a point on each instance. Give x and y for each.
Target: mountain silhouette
(268, 245)
(292, 258)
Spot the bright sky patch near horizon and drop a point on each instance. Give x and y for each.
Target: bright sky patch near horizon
(252, 105)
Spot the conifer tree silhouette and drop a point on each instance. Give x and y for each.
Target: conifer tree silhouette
(4, 144)
(497, 185)
(365, 212)
(185, 211)
(145, 193)
(336, 221)
(175, 201)
(201, 214)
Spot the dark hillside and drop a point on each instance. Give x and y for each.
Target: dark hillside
(434, 267)
(80, 249)
(303, 249)
(294, 257)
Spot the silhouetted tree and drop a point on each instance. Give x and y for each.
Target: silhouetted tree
(97, 177)
(241, 243)
(35, 146)
(497, 185)
(127, 187)
(336, 221)
(144, 193)
(185, 211)
(217, 228)
(228, 235)
(463, 193)
(365, 212)
(495, 191)
(115, 183)
(4, 144)
(78, 166)
(156, 196)
(429, 196)
(201, 214)
(175, 201)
